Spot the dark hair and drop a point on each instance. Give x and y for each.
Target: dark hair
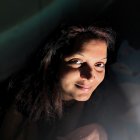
(39, 93)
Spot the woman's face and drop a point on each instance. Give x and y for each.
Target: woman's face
(83, 71)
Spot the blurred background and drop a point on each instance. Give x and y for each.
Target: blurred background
(25, 24)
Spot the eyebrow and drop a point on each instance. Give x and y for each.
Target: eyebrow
(104, 58)
(80, 54)
(84, 56)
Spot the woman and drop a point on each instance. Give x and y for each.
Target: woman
(70, 68)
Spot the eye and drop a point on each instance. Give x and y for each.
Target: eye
(100, 66)
(75, 63)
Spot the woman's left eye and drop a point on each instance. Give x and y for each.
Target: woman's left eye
(100, 66)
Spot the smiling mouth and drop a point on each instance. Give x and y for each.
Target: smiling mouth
(83, 87)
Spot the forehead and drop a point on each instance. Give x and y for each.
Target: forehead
(98, 44)
(95, 45)
(93, 49)
(82, 43)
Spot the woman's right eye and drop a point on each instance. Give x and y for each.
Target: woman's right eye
(75, 62)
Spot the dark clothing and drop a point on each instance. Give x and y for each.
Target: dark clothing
(102, 108)
(17, 127)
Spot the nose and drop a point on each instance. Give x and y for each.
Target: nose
(87, 71)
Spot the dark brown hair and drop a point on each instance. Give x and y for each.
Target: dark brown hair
(38, 93)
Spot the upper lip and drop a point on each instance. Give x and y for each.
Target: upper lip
(84, 86)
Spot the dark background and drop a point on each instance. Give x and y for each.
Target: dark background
(25, 24)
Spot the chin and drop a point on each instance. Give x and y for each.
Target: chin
(82, 98)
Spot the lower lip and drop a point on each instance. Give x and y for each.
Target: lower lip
(83, 88)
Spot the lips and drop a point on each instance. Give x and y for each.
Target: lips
(84, 87)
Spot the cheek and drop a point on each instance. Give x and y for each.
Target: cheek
(100, 77)
(68, 76)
